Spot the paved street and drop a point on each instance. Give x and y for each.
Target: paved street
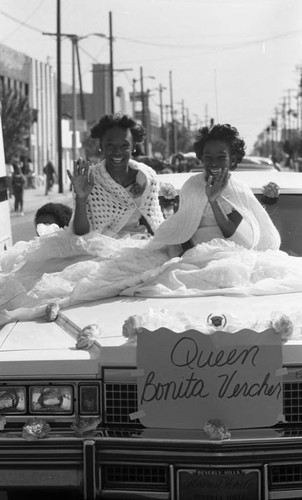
(22, 226)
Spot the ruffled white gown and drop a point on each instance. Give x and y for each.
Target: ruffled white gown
(68, 269)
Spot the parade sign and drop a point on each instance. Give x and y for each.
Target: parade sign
(186, 379)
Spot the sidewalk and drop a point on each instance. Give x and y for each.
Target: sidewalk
(35, 198)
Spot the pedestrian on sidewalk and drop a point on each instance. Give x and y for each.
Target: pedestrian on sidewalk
(49, 171)
(18, 185)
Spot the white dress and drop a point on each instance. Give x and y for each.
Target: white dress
(208, 228)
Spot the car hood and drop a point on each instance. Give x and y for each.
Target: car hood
(38, 347)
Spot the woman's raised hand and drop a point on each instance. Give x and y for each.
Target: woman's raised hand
(216, 185)
(81, 179)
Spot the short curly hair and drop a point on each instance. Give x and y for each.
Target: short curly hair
(225, 133)
(118, 120)
(61, 213)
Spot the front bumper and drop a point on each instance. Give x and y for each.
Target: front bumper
(119, 463)
(59, 462)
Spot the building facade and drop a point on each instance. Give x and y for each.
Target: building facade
(90, 107)
(35, 80)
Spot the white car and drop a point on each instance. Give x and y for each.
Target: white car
(248, 163)
(97, 444)
(257, 163)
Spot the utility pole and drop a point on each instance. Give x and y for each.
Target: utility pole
(134, 97)
(83, 114)
(284, 123)
(74, 100)
(59, 99)
(167, 129)
(160, 90)
(216, 95)
(148, 124)
(174, 146)
(188, 119)
(300, 99)
(142, 97)
(182, 103)
(276, 121)
(206, 115)
(290, 111)
(111, 62)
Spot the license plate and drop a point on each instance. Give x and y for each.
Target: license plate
(218, 484)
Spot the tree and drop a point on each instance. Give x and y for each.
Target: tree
(17, 118)
(159, 146)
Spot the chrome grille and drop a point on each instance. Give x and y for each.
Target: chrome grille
(283, 475)
(120, 402)
(135, 476)
(122, 433)
(292, 402)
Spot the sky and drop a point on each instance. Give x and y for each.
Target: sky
(233, 60)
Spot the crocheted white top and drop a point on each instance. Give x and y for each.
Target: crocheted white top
(110, 206)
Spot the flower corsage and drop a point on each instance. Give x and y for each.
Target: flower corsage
(167, 191)
(137, 189)
(270, 193)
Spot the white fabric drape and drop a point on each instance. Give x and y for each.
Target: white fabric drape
(256, 230)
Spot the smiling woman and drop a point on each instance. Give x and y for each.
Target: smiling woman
(213, 204)
(119, 196)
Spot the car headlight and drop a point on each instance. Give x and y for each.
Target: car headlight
(51, 399)
(89, 399)
(12, 399)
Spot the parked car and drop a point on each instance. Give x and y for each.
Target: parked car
(97, 445)
(257, 163)
(250, 163)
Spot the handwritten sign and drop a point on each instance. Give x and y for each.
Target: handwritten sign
(189, 378)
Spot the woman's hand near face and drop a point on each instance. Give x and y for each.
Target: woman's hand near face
(215, 186)
(81, 179)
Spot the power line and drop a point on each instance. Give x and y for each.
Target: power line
(219, 47)
(172, 46)
(23, 23)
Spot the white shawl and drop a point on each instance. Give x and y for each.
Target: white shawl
(256, 229)
(110, 206)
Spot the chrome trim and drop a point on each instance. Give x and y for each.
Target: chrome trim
(172, 483)
(158, 487)
(132, 495)
(68, 326)
(89, 475)
(282, 495)
(265, 481)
